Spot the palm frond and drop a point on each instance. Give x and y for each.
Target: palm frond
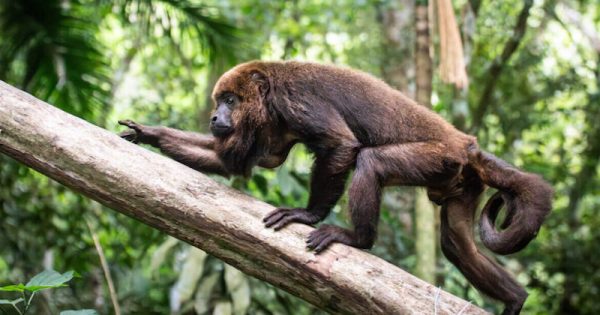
(196, 22)
(50, 50)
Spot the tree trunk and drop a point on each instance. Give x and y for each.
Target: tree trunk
(396, 19)
(425, 212)
(422, 57)
(397, 65)
(222, 221)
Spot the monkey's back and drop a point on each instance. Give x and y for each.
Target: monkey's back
(376, 113)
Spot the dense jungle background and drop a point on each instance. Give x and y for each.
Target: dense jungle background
(531, 93)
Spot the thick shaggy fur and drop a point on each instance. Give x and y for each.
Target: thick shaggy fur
(351, 120)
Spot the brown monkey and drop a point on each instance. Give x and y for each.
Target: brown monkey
(351, 120)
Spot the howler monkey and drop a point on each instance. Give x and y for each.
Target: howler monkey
(351, 120)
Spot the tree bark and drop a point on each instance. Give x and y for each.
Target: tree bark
(397, 65)
(425, 212)
(424, 72)
(222, 221)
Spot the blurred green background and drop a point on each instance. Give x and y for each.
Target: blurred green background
(533, 100)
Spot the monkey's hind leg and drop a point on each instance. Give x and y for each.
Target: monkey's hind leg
(458, 246)
(415, 164)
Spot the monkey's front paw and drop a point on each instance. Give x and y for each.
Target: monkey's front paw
(280, 217)
(130, 135)
(139, 133)
(319, 239)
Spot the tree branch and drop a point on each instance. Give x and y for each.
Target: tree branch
(499, 64)
(220, 220)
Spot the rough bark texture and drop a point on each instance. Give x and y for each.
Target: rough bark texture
(425, 213)
(397, 66)
(224, 222)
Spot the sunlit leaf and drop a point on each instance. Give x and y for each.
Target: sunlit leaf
(188, 278)
(161, 253)
(48, 279)
(13, 288)
(204, 292)
(223, 308)
(285, 181)
(237, 285)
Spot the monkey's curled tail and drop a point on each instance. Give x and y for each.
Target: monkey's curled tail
(528, 199)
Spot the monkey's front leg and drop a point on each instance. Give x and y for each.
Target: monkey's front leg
(326, 187)
(364, 200)
(192, 149)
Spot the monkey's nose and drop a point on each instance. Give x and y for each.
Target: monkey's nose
(219, 124)
(219, 128)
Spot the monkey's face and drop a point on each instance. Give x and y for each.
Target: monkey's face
(221, 123)
(239, 101)
(240, 119)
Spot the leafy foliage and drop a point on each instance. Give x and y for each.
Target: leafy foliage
(45, 280)
(155, 61)
(53, 53)
(48, 279)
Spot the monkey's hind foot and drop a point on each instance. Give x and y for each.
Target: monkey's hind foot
(281, 217)
(325, 235)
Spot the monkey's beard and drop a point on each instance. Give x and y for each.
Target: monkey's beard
(249, 141)
(239, 151)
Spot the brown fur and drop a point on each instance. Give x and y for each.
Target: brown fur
(350, 119)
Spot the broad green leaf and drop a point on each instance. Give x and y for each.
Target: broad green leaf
(48, 279)
(222, 308)
(204, 292)
(285, 181)
(237, 285)
(79, 312)
(161, 253)
(13, 287)
(233, 277)
(189, 276)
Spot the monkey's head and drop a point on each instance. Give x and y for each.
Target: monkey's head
(241, 122)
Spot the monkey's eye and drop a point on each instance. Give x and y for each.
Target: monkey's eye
(229, 100)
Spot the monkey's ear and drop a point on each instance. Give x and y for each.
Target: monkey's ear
(262, 81)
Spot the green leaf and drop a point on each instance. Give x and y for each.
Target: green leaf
(204, 292)
(285, 181)
(79, 312)
(237, 285)
(13, 287)
(190, 274)
(223, 308)
(48, 279)
(161, 253)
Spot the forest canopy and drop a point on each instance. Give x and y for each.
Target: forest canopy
(530, 92)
